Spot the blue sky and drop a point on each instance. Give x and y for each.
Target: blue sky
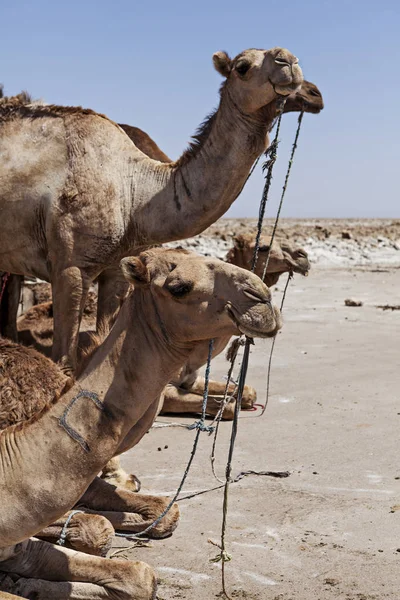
(149, 64)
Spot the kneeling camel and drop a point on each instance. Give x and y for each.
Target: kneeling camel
(50, 461)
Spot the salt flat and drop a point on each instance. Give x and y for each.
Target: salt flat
(330, 530)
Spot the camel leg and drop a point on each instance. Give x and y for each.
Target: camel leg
(129, 511)
(113, 473)
(9, 306)
(89, 533)
(217, 388)
(42, 571)
(112, 288)
(177, 400)
(69, 288)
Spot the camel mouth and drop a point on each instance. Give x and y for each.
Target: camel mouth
(302, 270)
(254, 332)
(286, 90)
(310, 107)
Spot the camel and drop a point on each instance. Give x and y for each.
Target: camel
(307, 98)
(77, 195)
(50, 462)
(285, 257)
(184, 395)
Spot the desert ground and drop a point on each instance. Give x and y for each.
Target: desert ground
(331, 530)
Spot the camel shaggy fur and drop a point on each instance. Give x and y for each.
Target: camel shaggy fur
(50, 462)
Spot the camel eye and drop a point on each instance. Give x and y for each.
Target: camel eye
(181, 289)
(264, 248)
(242, 67)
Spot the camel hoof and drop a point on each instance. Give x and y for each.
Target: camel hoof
(168, 524)
(249, 397)
(124, 481)
(133, 483)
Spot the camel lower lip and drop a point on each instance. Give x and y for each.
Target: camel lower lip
(251, 332)
(257, 333)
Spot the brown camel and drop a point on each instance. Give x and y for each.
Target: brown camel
(77, 195)
(185, 395)
(307, 98)
(179, 299)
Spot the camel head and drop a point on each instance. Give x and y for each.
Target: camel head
(307, 98)
(197, 298)
(284, 257)
(257, 77)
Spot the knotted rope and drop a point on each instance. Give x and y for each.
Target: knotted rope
(271, 156)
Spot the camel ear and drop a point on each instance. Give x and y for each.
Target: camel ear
(239, 241)
(222, 63)
(135, 271)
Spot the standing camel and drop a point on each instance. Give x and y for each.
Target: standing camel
(308, 98)
(49, 461)
(77, 195)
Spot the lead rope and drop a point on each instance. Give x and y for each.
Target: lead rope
(290, 275)
(200, 427)
(223, 556)
(271, 156)
(278, 214)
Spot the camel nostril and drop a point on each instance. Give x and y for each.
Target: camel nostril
(279, 61)
(315, 93)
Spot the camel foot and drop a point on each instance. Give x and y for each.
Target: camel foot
(41, 571)
(114, 474)
(89, 533)
(124, 480)
(249, 397)
(128, 511)
(141, 517)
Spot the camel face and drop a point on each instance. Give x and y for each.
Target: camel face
(307, 98)
(296, 258)
(198, 299)
(256, 77)
(284, 257)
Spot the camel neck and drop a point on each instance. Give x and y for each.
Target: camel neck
(129, 370)
(200, 187)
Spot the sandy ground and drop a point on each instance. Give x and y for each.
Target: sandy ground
(332, 529)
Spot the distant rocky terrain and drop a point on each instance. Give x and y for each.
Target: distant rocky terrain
(329, 242)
